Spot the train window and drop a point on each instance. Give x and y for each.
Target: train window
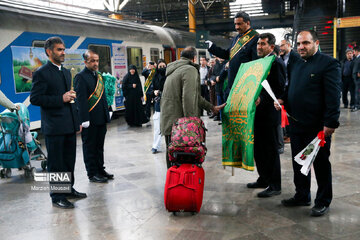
(38, 43)
(134, 56)
(154, 54)
(104, 57)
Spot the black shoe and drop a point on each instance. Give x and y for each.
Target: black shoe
(98, 179)
(154, 150)
(219, 123)
(216, 118)
(268, 192)
(76, 195)
(318, 211)
(108, 175)
(292, 202)
(63, 203)
(354, 109)
(211, 116)
(256, 185)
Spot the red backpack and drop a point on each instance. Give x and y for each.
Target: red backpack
(188, 140)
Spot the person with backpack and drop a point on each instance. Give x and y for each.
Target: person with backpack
(181, 95)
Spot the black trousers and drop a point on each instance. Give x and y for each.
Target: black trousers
(93, 139)
(205, 92)
(348, 85)
(61, 150)
(167, 141)
(266, 156)
(148, 106)
(322, 167)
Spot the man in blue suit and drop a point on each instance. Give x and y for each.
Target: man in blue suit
(94, 114)
(51, 91)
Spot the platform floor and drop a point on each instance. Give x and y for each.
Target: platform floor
(131, 206)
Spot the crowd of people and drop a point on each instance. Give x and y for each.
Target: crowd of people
(306, 82)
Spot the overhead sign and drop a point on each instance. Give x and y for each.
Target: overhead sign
(201, 37)
(347, 22)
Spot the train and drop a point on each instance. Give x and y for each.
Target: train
(25, 27)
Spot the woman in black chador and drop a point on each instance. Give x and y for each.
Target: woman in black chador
(132, 89)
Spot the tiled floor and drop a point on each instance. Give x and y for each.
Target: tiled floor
(131, 206)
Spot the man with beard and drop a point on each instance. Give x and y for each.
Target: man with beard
(94, 115)
(59, 118)
(312, 98)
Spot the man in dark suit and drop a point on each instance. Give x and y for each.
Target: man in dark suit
(59, 118)
(94, 114)
(267, 119)
(356, 77)
(348, 84)
(241, 50)
(146, 73)
(313, 100)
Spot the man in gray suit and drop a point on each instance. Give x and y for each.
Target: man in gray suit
(356, 77)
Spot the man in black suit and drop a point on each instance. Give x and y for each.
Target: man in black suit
(267, 119)
(59, 118)
(94, 114)
(356, 77)
(241, 50)
(313, 100)
(348, 84)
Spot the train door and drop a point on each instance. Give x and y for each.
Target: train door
(104, 57)
(169, 55)
(134, 57)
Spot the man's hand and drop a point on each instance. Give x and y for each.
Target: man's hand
(218, 79)
(134, 85)
(209, 43)
(213, 83)
(277, 107)
(156, 92)
(258, 100)
(216, 109)
(328, 131)
(69, 96)
(79, 130)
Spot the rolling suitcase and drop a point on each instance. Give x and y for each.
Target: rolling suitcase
(184, 188)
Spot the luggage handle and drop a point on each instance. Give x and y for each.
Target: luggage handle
(176, 154)
(182, 179)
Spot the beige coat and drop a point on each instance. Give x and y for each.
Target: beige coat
(181, 96)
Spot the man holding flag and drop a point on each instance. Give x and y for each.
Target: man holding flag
(312, 99)
(266, 121)
(242, 48)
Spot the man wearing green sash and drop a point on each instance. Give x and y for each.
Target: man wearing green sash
(94, 115)
(241, 50)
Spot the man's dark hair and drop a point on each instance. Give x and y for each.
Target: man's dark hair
(189, 53)
(312, 33)
(243, 15)
(277, 50)
(161, 61)
(50, 43)
(357, 48)
(270, 38)
(86, 54)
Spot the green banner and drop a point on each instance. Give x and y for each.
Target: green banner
(239, 114)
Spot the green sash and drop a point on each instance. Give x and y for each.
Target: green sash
(239, 114)
(242, 41)
(97, 94)
(148, 82)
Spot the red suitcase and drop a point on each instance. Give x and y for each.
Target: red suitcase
(184, 188)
